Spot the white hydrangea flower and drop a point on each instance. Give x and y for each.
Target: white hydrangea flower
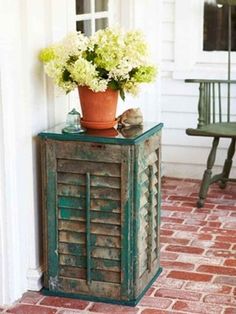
(121, 72)
(109, 58)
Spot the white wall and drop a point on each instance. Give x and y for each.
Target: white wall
(145, 16)
(185, 156)
(28, 105)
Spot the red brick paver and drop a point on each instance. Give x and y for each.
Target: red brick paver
(198, 256)
(64, 302)
(31, 309)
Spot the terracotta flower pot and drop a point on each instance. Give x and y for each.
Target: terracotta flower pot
(98, 108)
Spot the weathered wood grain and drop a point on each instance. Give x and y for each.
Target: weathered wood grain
(96, 275)
(96, 252)
(79, 179)
(96, 263)
(52, 222)
(96, 204)
(96, 288)
(149, 160)
(102, 229)
(88, 151)
(145, 182)
(96, 240)
(151, 144)
(96, 216)
(96, 192)
(147, 186)
(82, 166)
(44, 212)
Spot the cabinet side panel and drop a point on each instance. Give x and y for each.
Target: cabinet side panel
(147, 211)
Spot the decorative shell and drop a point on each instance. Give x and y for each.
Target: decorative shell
(132, 116)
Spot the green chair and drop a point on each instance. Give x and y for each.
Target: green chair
(214, 116)
(215, 120)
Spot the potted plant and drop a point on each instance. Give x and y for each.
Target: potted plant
(107, 63)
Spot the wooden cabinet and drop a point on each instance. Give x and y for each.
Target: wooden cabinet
(101, 196)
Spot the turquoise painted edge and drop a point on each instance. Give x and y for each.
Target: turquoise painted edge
(105, 300)
(104, 140)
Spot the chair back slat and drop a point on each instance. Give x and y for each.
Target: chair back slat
(220, 107)
(201, 102)
(228, 103)
(208, 103)
(215, 101)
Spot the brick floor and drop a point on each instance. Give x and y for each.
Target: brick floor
(198, 256)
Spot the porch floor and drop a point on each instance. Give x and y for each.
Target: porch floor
(198, 256)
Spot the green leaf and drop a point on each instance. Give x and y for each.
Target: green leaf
(114, 85)
(72, 59)
(66, 76)
(102, 73)
(90, 55)
(122, 94)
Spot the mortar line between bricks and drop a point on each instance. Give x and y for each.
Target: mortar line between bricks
(153, 292)
(140, 311)
(38, 303)
(170, 307)
(59, 309)
(89, 306)
(202, 297)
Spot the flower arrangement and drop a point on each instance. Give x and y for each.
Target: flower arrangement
(110, 58)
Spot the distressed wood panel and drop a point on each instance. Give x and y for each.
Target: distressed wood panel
(145, 185)
(148, 189)
(96, 288)
(79, 179)
(88, 151)
(150, 145)
(78, 226)
(97, 252)
(96, 192)
(96, 240)
(52, 222)
(96, 216)
(95, 168)
(144, 262)
(143, 166)
(44, 213)
(96, 204)
(97, 275)
(143, 199)
(146, 275)
(96, 263)
(126, 216)
(144, 177)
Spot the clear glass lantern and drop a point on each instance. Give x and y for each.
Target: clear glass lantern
(73, 122)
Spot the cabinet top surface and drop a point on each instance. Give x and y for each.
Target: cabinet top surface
(131, 135)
